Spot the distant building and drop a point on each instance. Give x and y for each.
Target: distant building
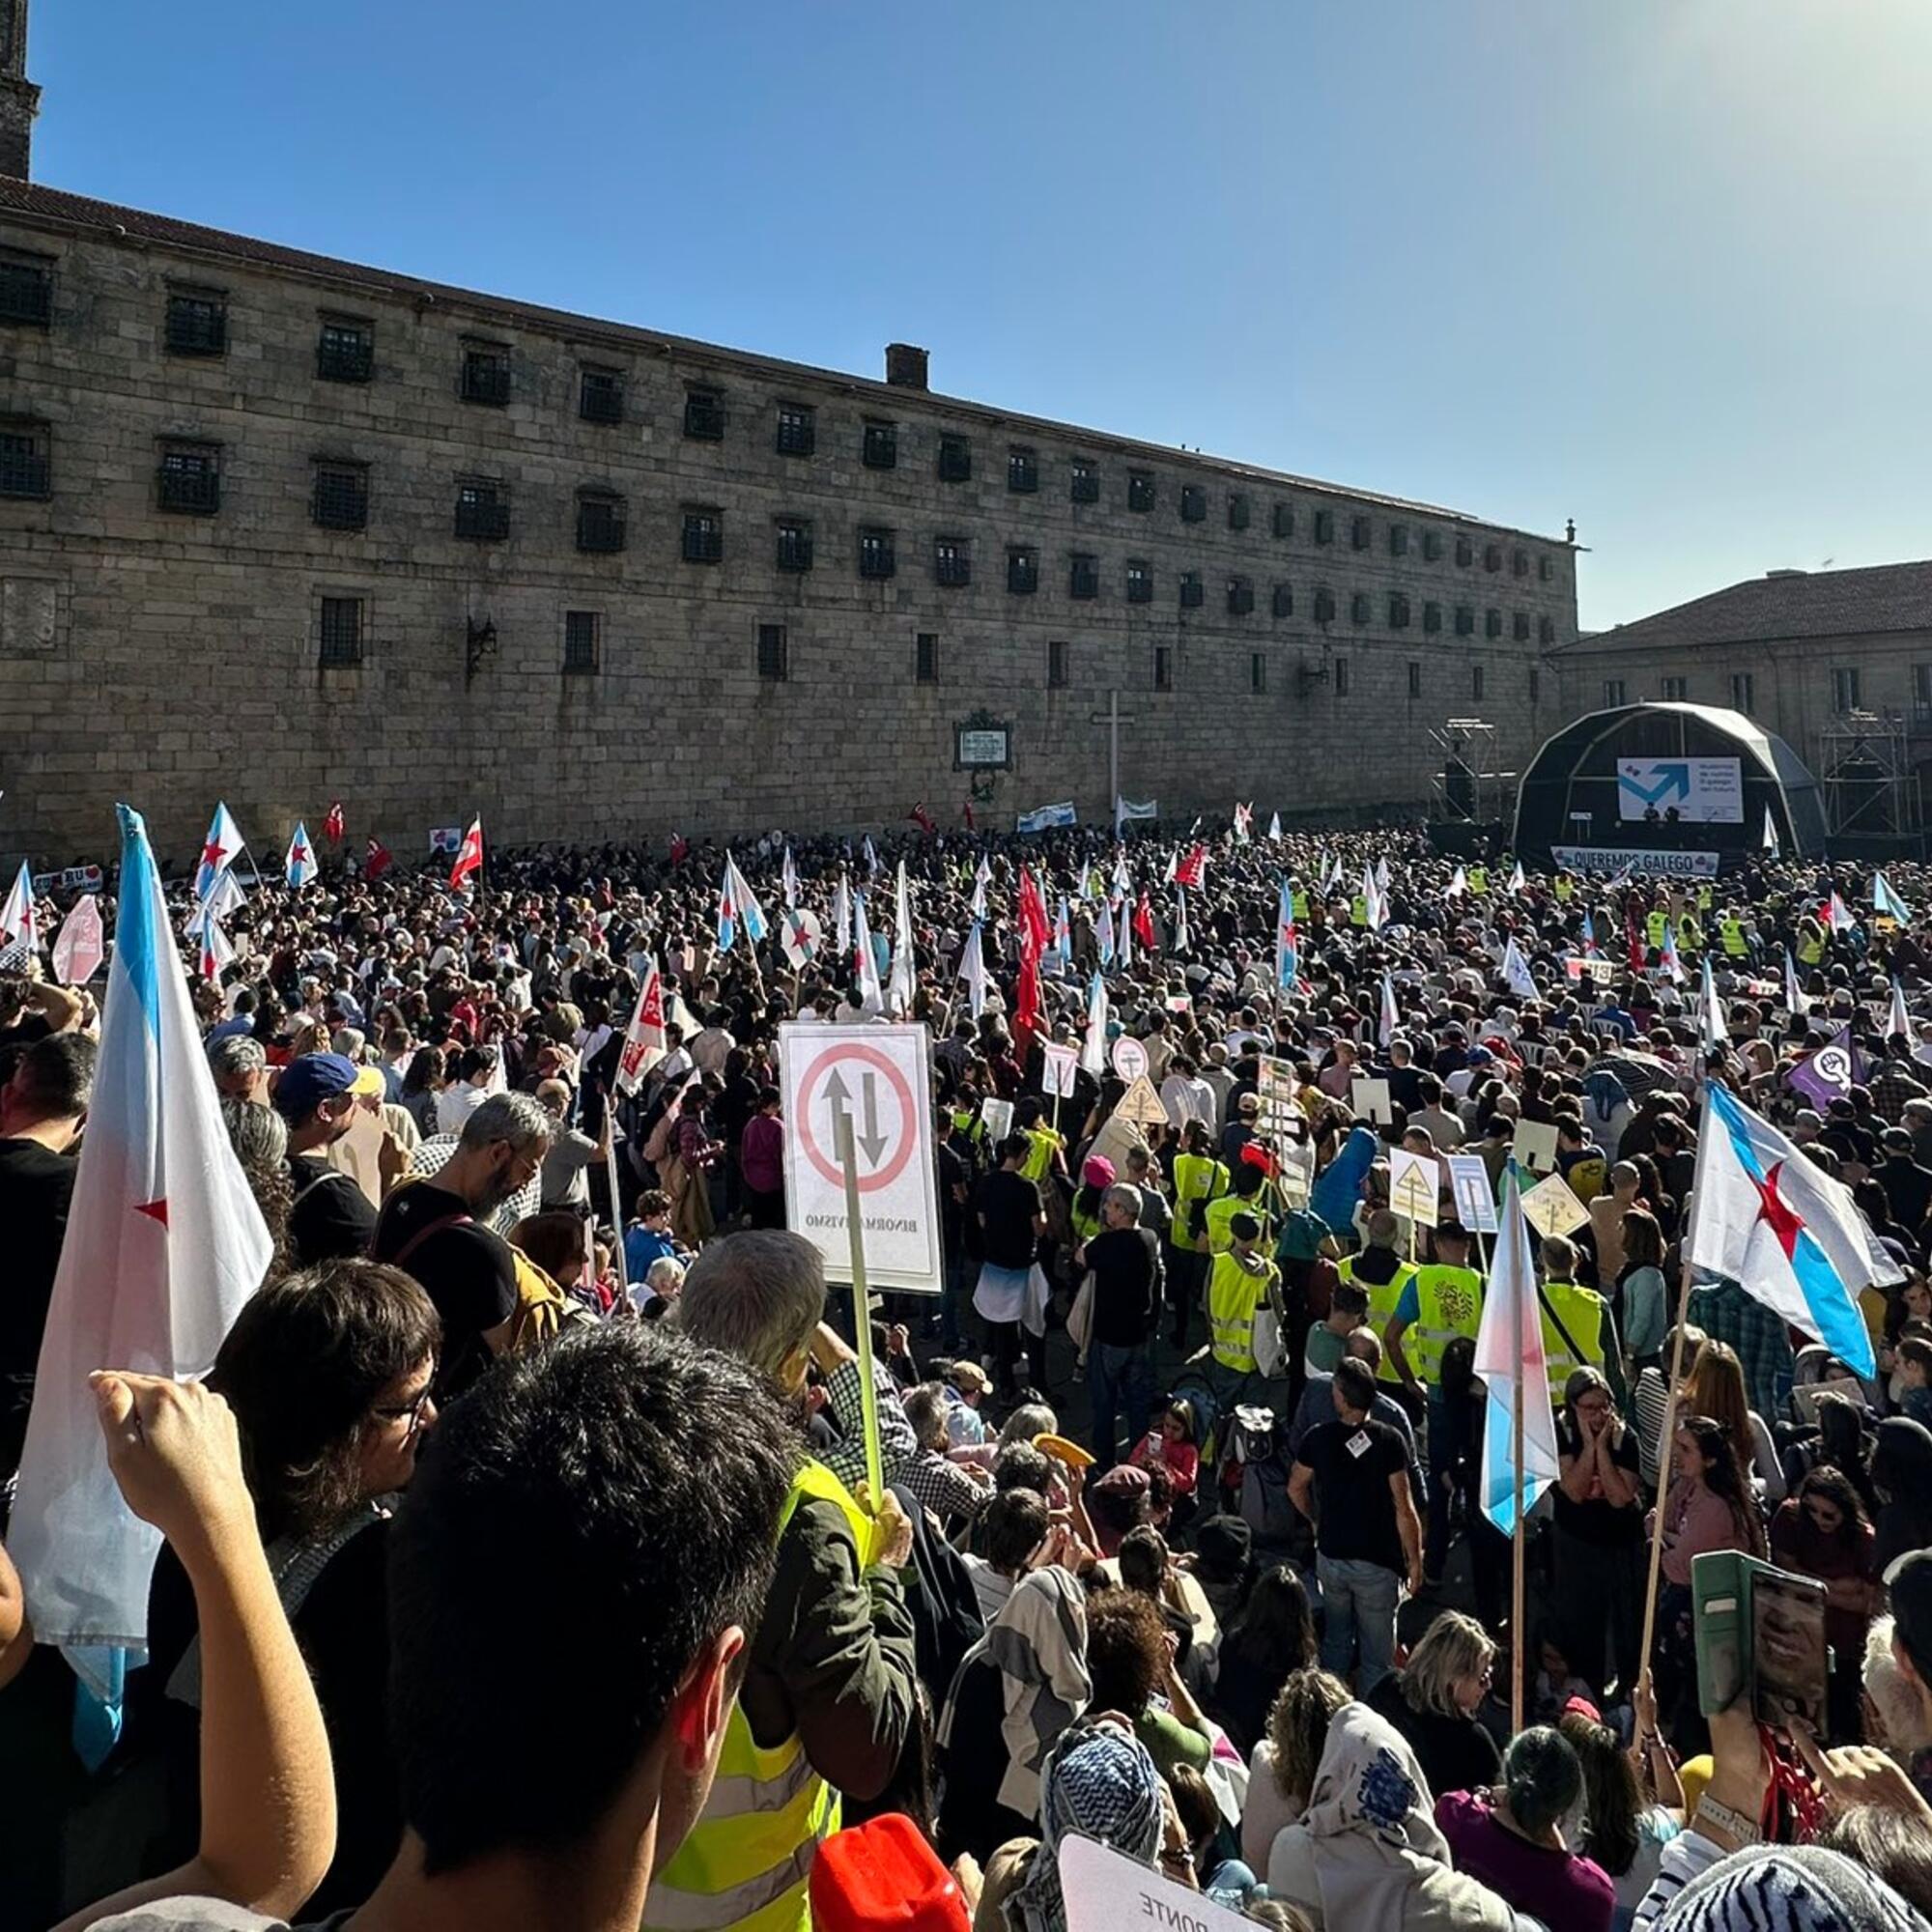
(1837, 663)
(290, 529)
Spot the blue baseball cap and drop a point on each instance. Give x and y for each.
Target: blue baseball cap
(315, 1078)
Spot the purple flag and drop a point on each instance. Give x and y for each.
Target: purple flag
(1830, 1072)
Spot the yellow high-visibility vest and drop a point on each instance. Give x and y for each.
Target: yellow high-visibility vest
(1477, 879)
(747, 1862)
(1448, 1302)
(1731, 931)
(1382, 1300)
(1656, 928)
(1235, 1291)
(1196, 1178)
(1565, 887)
(1582, 1310)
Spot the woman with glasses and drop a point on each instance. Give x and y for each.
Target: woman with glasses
(1823, 1532)
(1599, 1534)
(328, 1373)
(1433, 1701)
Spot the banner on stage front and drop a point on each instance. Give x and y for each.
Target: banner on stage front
(1048, 817)
(1615, 858)
(1701, 791)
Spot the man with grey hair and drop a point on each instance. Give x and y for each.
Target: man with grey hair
(566, 1170)
(239, 1063)
(436, 1230)
(1129, 1274)
(831, 1671)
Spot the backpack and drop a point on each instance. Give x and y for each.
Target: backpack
(1256, 1474)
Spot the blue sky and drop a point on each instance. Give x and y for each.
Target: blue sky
(1657, 265)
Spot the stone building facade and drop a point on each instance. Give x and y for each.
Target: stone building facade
(285, 530)
(1838, 663)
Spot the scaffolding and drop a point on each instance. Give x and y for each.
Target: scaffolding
(1465, 787)
(1868, 776)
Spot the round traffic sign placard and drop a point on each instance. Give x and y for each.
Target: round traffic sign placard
(1131, 1058)
(862, 1085)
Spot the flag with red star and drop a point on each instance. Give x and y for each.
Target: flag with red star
(302, 865)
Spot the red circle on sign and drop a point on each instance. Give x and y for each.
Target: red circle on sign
(868, 1056)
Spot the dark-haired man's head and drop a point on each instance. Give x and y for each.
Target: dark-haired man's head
(623, 1482)
(1354, 1388)
(48, 1091)
(1014, 1526)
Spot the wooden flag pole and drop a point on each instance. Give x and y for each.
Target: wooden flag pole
(861, 1311)
(1518, 1650)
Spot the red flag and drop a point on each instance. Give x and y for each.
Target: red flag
(645, 1037)
(378, 860)
(966, 812)
(1192, 868)
(332, 826)
(679, 846)
(1035, 928)
(1026, 995)
(470, 859)
(1144, 930)
(1634, 944)
(923, 818)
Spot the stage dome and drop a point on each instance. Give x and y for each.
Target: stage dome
(1689, 781)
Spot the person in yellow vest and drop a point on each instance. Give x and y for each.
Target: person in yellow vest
(1198, 1178)
(1358, 910)
(831, 1682)
(1690, 933)
(1240, 1284)
(1297, 903)
(1731, 935)
(1656, 925)
(1383, 1275)
(1706, 898)
(1578, 1329)
(1477, 879)
(622, 1484)
(1811, 940)
(1565, 887)
(1245, 1180)
(1442, 1300)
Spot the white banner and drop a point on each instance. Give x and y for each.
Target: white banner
(1615, 858)
(1702, 792)
(1047, 817)
(1124, 808)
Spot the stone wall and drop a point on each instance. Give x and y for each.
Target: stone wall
(170, 657)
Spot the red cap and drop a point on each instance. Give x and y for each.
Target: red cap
(884, 1874)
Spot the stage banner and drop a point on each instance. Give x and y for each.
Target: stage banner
(1701, 791)
(1615, 858)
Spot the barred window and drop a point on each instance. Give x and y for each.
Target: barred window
(600, 395)
(340, 500)
(1083, 481)
(1139, 581)
(345, 351)
(877, 553)
(1140, 490)
(703, 540)
(1284, 520)
(1193, 594)
(1284, 600)
(882, 446)
(951, 562)
(798, 429)
(26, 290)
(1056, 664)
(1022, 472)
(1193, 504)
(482, 511)
(1022, 572)
(1238, 511)
(955, 459)
(600, 522)
(1359, 532)
(704, 415)
(341, 631)
(926, 658)
(583, 635)
(1164, 668)
(25, 468)
(1083, 576)
(1241, 597)
(794, 545)
(197, 322)
(189, 478)
(486, 375)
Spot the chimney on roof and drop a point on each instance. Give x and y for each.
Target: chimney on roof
(1787, 572)
(905, 365)
(19, 97)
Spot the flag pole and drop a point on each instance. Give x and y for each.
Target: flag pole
(1666, 1449)
(1519, 1651)
(861, 1311)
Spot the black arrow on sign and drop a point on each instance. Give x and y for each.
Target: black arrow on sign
(872, 1140)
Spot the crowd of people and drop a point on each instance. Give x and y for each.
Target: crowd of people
(522, 1566)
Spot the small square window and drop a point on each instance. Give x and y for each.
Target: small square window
(773, 657)
(1676, 689)
(1139, 581)
(482, 511)
(25, 469)
(1543, 572)
(703, 536)
(1519, 626)
(955, 460)
(951, 562)
(926, 658)
(1164, 668)
(1519, 563)
(1398, 539)
(189, 478)
(882, 446)
(1466, 621)
(197, 324)
(1193, 504)
(1477, 682)
(1341, 677)
(345, 351)
(1284, 520)
(1546, 630)
(1493, 557)
(1360, 533)
(704, 415)
(1257, 672)
(1083, 576)
(1140, 490)
(340, 631)
(1744, 689)
(1241, 597)
(797, 431)
(486, 375)
(878, 554)
(340, 500)
(1022, 572)
(1613, 693)
(26, 290)
(1083, 481)
(1465, 552)
(1284, 600)
(1324, 526)
(1414, 679)
(1398, 611)
(1056, 664)
(600, 395)
(1238, 511)
(1431, 545)
(1192, 593)
(794, 545)
(1022, 472)
(600, 522)
(1432, 617)
(1358, 608)
(1324, 606)
(582, 637)
(1492, 623)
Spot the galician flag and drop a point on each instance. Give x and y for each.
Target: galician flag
(1898, 1020)
(1123, 934)
(1104, 934)
(1711, 1011)
(1509, 1346)
(1888, 902)
(1274, 827)
(1764, 1217)
(1796, 1003)
(982, 877)
(20, 925)
(1287, 949)
(164, 1243)
(973, 969)
(1093, 1050)
(219, 851)
(1391, 1016)
(870, 999)
(1517, 975)
(1838, 915)
(841, 915)
(1672, 965)
(645, 1037)
(1062, 933)
(904, 981)
(789, 880)
(1517, 881)
(216, 950)
(300, 865)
